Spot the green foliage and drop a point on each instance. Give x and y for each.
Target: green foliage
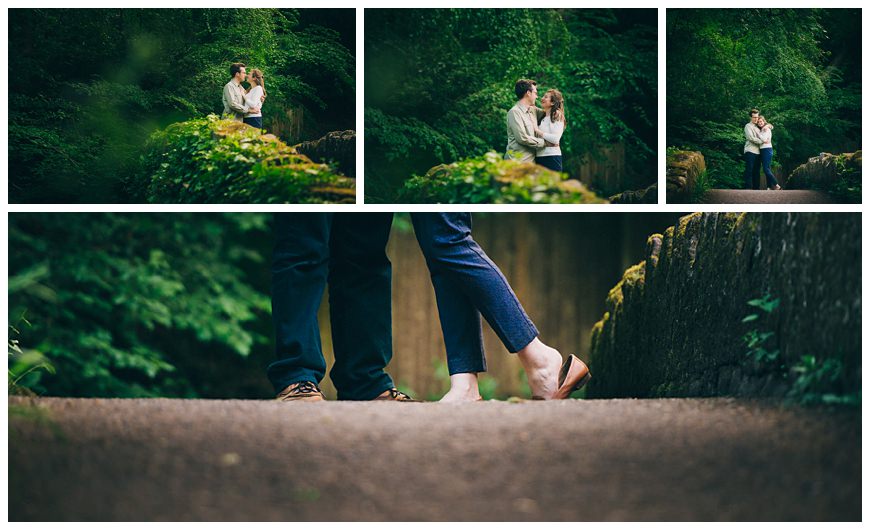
(491, 179)
(137, 304)
(756, 339)
(800, 67)
(821, 382)
(91, 85)
(222, 161)
(440, 82)
(847, 186)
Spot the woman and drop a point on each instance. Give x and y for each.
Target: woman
(467, 284)
(254, 98)
(766, 148)
(551, 129)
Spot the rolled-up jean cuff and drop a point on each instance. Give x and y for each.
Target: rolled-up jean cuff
(515, 344)
(465, 365)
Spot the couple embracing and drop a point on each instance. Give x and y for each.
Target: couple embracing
(533, 133)
(758, 152)
(347, 251)
(245, 105)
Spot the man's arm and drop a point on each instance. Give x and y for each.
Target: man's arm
(232, 103)
(751, 133)
(515, 123)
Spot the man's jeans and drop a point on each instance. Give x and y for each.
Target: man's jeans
(752, 173)
(349, 251)
(467, 283)
(766, 158)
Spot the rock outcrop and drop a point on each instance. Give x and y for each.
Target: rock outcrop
(337, 146)
(822, 172)
(649, 195)
(675, 326)
(683, 170)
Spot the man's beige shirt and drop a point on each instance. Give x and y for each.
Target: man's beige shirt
(522, 142)
(234, 101)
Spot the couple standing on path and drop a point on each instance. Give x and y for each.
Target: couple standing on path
(533, 133)
(245, 105)
(758, 152)
(348, 251)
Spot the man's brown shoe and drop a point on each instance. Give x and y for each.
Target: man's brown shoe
(394, 394)
(304, 391)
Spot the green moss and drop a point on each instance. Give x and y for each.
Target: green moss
(490, 179)
(211, 160)
(632, 276)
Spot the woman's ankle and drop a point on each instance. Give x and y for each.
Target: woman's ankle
(463, 387)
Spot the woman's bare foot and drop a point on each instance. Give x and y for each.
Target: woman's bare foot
(463, 388)
(542, 364)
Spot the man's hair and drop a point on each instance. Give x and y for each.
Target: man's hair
(236, 68)
(523, 86)
(753, 111)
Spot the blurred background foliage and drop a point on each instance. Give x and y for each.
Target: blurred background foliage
(88, 86)
(800, 67)
(439, 83)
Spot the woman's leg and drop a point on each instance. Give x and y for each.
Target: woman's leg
(766, 158)
(468, 277)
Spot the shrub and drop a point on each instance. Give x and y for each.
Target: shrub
(210, 160)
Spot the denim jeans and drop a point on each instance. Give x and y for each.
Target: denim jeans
(766, 158)
(349, 252)
(550, 162)
(752, 173)
(467, 284)
(254, 121)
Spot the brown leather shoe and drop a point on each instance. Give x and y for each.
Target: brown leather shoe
(394, 394)
(573, 375)
(304, 391)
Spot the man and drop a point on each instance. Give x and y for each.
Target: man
(349, 252)
(234, 95)
(752, 152)
(521, 123)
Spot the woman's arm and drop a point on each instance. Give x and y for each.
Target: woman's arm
(556, 130)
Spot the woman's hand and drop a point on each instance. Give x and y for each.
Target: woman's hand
(263, 98)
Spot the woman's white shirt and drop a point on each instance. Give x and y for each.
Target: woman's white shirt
(552, 132)
(766, 136)
(252, 99)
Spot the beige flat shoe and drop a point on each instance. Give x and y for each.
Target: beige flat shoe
(573, 375)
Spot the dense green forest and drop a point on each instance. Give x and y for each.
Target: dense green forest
(800, 67)
(89, 86)
(439, 83)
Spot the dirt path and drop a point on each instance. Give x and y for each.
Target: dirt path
(766, 197)
(161, 459)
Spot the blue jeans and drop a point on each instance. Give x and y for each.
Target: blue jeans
(550, 162)
(467, 284)
(766, 158)
(349, 252)
(256, 121)
(752, 173)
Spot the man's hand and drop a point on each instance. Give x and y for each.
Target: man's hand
(253, 110)
(548, 144)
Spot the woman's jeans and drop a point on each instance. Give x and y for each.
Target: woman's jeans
(550, 162)
(766, 158)
(467, 284)
(348, 251)
(256, 121)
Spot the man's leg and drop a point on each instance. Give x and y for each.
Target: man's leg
(749, 172)
(460, 319)
(360, 310)
(299, 271)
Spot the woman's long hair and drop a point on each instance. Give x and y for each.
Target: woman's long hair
(257, 74)
(557, 111)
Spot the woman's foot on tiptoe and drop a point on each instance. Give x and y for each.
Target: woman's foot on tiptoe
(542, 364)
(463, 388)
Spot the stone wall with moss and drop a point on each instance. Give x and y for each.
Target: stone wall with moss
(684, 169)
(211, 160)
(839, 175)
(489, 179)
(680, 323)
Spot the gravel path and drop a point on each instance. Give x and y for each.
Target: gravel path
(766, 197)
(675, 459)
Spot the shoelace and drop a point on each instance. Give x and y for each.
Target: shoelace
(307, 387)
